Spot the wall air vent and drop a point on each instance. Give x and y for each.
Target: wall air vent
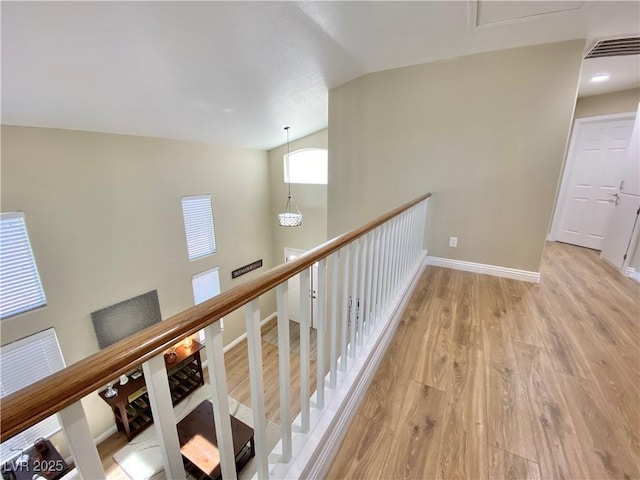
(615, 47)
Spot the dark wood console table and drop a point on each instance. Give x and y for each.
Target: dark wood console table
(131, 408)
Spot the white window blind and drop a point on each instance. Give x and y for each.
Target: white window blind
(206, 285)
(20, 286)
(309, 165)
(198, 225)
(22, 363)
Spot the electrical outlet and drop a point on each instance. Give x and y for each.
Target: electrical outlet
(453, 242)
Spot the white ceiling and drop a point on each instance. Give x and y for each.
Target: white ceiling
(237, 72)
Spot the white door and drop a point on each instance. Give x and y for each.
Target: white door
(624, 220)
(294, 289)
(592, 179)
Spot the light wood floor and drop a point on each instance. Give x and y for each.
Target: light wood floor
(494, 378)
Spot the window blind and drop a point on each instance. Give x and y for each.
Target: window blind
(23, 363)
(206, 285)
(198, 225)
(20, 286)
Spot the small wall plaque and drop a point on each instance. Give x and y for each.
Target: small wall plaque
(246, 269)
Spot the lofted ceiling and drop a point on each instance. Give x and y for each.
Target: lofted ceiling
(237, 72)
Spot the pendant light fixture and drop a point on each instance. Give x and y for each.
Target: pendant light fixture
(291, 217)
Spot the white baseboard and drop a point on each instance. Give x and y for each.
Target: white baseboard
(550, 238)
(632, 273)
(106, 434)
(514, 274)
(244, 335)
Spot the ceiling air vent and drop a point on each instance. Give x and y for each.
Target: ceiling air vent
(615, 47)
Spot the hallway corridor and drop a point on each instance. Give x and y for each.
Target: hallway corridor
(494, 378)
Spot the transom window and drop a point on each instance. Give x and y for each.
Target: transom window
(309, 165)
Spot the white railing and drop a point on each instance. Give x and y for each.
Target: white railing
(371, 270)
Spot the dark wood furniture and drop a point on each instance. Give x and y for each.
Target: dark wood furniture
(199, 445)
(48, 464)
(131, 408)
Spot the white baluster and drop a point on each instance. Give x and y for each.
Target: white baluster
(254, 348)
(406, 236)
(388, 263)
(80, 441)
(423, 223)
(164, 420)
(305, 311)
(414, 234)
(354, 297)
(333, 348)
(384, 274)
(401, 233)
(321, 329)
(369, 295)
(219, 398)
(396, 256)
(362, 308)
(419, 232)
(376, 274)
(344, 320)
(282, 293)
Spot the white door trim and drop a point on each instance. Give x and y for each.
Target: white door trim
(569, 164)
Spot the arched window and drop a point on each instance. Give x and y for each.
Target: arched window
(308, 165)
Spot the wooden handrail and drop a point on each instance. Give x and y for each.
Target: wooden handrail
(36, 402)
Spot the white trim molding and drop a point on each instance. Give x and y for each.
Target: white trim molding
(632, 273)
(496, 271)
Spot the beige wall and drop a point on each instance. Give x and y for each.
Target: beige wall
(485, 134)
(607, 104)
(311, 200)
(105, 221)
